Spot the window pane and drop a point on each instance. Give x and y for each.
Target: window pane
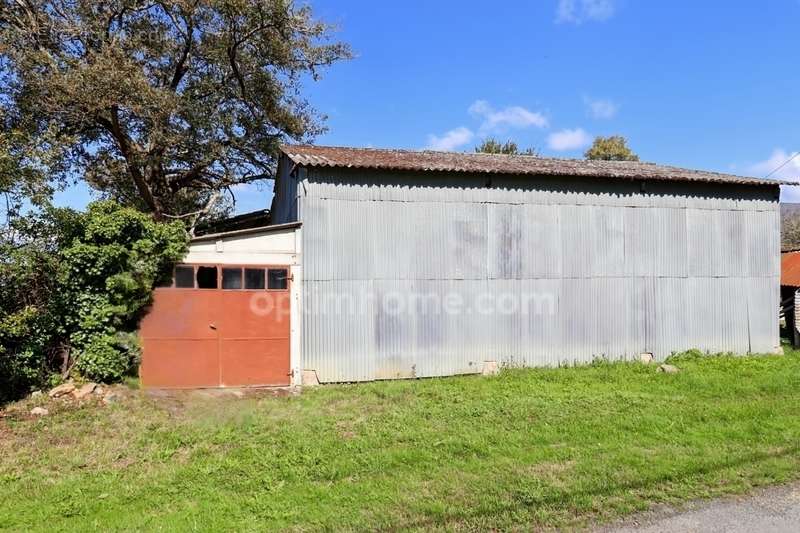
(276, 278)
(206, 277)
(253, 278)
(184, 277)
(231, 278)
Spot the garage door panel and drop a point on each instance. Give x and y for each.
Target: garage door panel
(216, 337)
(186, 363)
(254, 314)
(254, 361)
(182, 314)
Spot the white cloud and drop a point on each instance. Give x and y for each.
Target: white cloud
(450, 140)
(601, 109)
(579, 11)
(565, 140)
(492, 121)
(789, 171)
(498, 120)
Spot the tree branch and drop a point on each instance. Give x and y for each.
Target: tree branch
(189, 176)
(188, 39)
(124, 143)
(213, 199)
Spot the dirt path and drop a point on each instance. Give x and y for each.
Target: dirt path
(774, 509)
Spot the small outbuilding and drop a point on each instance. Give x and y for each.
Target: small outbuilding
(383, 264)
(790, 293)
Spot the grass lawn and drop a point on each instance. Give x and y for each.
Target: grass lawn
(526, 449)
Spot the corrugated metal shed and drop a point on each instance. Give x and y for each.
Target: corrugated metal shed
(619, 268)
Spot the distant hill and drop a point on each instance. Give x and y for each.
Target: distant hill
(790, 226)
(790, 210)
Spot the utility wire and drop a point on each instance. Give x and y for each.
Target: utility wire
(783, 164)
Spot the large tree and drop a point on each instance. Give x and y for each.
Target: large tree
(165, 105)
(613, 148)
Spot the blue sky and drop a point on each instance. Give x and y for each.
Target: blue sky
(709, 85)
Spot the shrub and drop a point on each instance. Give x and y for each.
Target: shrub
(104, 359)
(72, 289)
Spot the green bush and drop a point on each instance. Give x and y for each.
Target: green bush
(102, 359)
(72, 289)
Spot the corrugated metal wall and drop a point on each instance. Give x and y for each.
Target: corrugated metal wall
(284, 201)
(614, 269)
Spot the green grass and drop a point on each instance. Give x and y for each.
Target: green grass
(525, 449)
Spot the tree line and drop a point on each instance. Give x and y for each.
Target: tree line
(612, 148)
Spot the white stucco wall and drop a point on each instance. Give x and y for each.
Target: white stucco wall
(266, 247)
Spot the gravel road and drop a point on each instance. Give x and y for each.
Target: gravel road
(773, 509)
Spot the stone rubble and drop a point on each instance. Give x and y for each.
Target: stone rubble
(61, 390)
(668, 369)
(85, 391)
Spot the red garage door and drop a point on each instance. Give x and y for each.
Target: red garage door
(218, 326)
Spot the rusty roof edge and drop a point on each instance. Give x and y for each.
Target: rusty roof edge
(730, 179)
(259, 229)
(321, 161)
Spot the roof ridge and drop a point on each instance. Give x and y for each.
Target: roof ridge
(449, 153)
(475, 162)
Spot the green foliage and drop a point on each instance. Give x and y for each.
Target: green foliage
(164, 105)
(613, 148)
(28, 311)
(688, 356)
(493, 146)
(72, 287)
(104, 359)
(20, 179)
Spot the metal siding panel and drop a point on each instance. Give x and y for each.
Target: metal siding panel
(576, 241)
(704, 256)
(636, 313)
(762, 313)
(669, 333)
(670, 240)
(524, 242)
(621, 271)
(608, 237)
(639, 257)
(732, 244)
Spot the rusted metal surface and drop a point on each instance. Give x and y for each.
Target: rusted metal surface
(179, 348)
(254, 337)
(790, 269)
(216, 337)
(429, 161)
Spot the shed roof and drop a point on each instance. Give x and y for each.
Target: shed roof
(430, 161)
(790, 269)
(253, 219)
(247, 231)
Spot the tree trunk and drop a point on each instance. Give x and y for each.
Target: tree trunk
(66, 366)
